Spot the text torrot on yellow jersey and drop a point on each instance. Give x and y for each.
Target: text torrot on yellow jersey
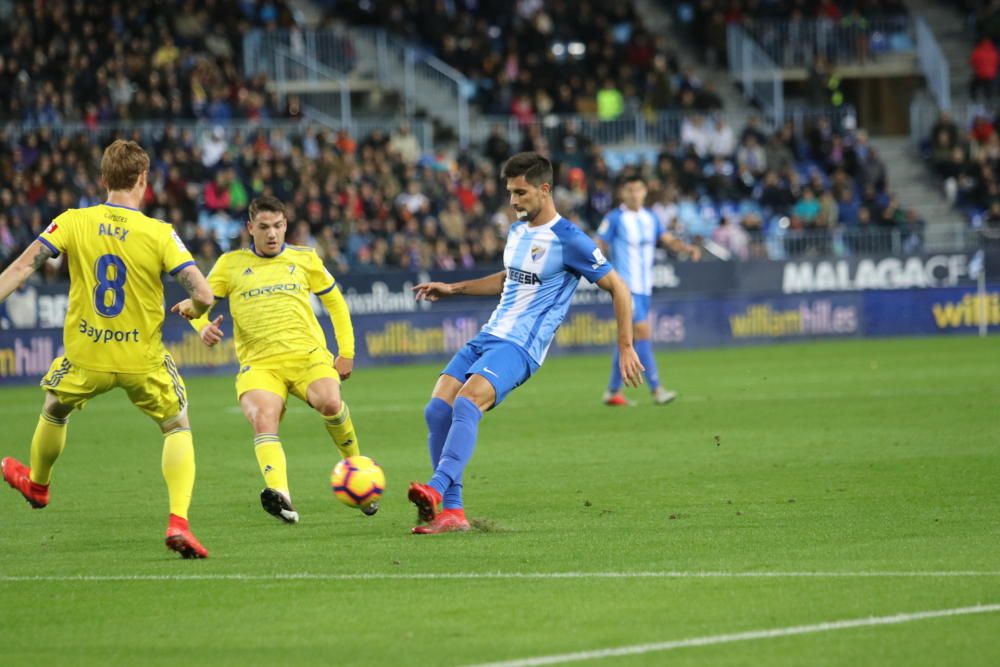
(116, 257)
(270, 306)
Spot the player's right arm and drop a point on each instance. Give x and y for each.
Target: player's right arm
(491, 285)
(21, 269)
(201, 297)
(218, 288)
(176, 260)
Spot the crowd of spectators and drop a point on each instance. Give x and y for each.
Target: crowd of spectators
(967, 159)
(96, 62)
(365, 204)
(841, 30)
(532, 58)
(760, 194)
(378, 202)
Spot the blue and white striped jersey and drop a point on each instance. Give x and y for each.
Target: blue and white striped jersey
(544, 265)
(632, 237)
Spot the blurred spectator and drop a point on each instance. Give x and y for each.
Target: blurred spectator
(984, 60)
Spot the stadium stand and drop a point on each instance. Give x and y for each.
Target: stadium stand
(162, 60)
(375, 201)
(531, 58)
(372, 200)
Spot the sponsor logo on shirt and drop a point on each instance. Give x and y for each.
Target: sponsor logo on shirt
(523, 277)
(270, 289)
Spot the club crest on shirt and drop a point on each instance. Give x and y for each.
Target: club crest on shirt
(536, 252)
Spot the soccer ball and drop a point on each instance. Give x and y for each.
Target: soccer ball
(357, 481)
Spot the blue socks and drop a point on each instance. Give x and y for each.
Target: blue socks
(458, 446)
(644, 348)
(615, 383)
(438, 415)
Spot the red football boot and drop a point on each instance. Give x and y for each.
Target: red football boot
(180, 539)
(616, 400)
(448, 521)
(427, 500)
(18, 476)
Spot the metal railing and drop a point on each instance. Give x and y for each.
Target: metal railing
(638, 130)
(357, 57)
(333, 48)
(796, 43)
(779, 243)
(290, 66)
(934, 65)
(644, 129)
(190, 132)
(756, 72)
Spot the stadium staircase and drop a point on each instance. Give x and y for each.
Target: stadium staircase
(911, 181)
(955, 41)
(330, 68)
(659, 22)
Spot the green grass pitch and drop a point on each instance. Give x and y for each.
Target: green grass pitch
(878, 460)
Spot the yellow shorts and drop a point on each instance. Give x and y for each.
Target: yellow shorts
(160, 393)
(284, 375)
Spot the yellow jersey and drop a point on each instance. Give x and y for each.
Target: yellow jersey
(116, 257)
(269, 300)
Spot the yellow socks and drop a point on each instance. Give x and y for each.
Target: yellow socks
(271, 458)
(178, 469)
(341, 429)
(46, 446)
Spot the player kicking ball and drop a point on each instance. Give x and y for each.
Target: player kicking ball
(544, 259)
(280, 345)
(631, 232)
(112, 331)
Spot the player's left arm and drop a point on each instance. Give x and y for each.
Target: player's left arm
(628, 361)
(325, 287)
(343, 329)
(678, 245)
(582, 257)
(23, 267)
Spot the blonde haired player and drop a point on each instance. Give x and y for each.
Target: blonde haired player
(280, 345)
(112, 331)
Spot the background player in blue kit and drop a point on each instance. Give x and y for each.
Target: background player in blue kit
(631, 232)
(544, 259)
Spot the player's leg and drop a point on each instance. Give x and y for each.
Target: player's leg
(46, 445)
(317, 382)
(438, 415)
(324, 396)
(66, 388)
(263, 409)
(501, 368)
(475, 397)
(614, 396)
(642, 336)
(644, 349)
(162, 396)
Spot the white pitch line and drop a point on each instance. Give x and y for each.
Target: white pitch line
(711, 640)
(374, 576)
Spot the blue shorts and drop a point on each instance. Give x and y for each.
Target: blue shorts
(504, 364)
(640, 307)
